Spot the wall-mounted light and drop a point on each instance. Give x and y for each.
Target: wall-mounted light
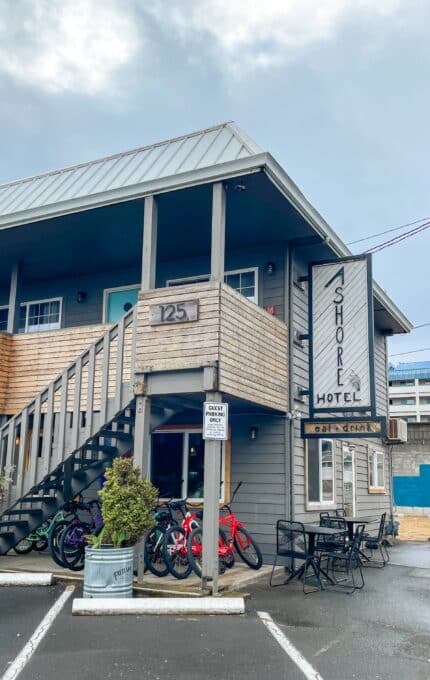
(253, 432)
(81, 296)
(239, 187)
(270, 268)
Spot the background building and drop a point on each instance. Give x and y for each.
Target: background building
(409, 391)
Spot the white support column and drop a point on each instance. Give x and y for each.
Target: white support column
(149, 253)
(13, 314)
(218, 232)
(212, 481)
(142, 458)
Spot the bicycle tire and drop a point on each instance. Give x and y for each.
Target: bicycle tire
(253, 558)
(175, 553)
(54, 541)
(72, 555)
(194, 553)
(41, 544)
(153, 550)
(23, 547)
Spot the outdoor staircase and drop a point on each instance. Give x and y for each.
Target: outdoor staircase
(63, 440)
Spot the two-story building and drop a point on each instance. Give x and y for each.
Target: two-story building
(208, 232)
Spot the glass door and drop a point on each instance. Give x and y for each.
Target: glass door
(348, 481)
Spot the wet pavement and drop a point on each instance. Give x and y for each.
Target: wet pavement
(380, 633)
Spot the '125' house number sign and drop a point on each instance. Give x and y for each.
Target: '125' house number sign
(174, 312)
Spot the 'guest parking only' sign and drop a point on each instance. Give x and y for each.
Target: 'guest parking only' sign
(215, 420)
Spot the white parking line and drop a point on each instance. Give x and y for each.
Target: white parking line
(308, 671)
(28, 650)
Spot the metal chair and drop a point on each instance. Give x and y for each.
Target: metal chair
(351, 562)
(292, 542)
(336, 541)
(373, 543)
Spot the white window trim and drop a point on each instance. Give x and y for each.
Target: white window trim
(206, 277)
(186, 432)
(4, 307)
(321, 504)
(349, 448)
(37, 302)
(372, 463)
(116, 289)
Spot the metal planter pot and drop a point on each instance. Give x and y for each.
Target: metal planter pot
(108, 572)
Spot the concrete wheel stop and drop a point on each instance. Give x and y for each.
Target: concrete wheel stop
(26, 579)
(110, 606)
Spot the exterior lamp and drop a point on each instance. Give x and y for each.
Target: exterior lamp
(270, 268)
(81, 296)
(253, 432)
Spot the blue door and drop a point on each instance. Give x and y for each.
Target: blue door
(119, 302)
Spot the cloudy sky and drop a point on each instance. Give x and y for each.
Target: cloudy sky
(337, 90)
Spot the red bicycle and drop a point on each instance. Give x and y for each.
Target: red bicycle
(233, 536)
(175, 541)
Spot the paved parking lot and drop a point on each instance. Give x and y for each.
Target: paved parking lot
(381, 633)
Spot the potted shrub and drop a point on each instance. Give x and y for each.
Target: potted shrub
(127, 508)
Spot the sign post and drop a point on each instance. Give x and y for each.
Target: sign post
(215, 430)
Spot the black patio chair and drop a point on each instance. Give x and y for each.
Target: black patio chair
(336, 541)
(374, 542)
(292, 542)
(347, 563)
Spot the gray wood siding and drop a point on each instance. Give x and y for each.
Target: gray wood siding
(260, 465)
(365, 502)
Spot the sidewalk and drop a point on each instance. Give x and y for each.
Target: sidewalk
(240, 576)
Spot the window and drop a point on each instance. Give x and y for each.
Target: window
(320, 471)
(424, 381)
(117, 301)
(409, 419)
(245, 281)
(3, 318)
(424, 419)
(41, 315)
(177, 464)
(402, 383)
(403, 401)
(424, 400)
(376, 471)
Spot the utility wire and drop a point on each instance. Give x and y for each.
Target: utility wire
(414, 351)
(388, 231)
(398, 239)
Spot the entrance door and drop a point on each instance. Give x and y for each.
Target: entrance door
(348, 481)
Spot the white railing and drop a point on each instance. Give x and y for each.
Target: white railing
(71, 409)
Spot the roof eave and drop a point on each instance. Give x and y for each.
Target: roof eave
(291, 191)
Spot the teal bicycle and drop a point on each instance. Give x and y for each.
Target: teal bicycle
(42, 537)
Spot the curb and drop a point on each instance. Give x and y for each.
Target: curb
(109, 606)
(26, 579)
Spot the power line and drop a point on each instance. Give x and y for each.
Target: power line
(421, 325)
(388, 231)
(414, 351)
(397, 239)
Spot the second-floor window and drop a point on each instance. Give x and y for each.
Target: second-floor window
(403, 401)
(35, 316)
(245, 281)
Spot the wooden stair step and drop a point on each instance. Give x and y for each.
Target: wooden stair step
(116, 434)
(18, 523)
(104, 448)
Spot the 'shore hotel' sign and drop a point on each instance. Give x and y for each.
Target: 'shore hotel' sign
(341, 337)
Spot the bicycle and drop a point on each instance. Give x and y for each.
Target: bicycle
(236, 538)
(74, 538)
(67, 516)
(154, 540)
(175, 542)
(39, 539)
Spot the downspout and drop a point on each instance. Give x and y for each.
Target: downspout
(289, 422)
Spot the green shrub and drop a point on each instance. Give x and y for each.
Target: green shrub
(127, 504)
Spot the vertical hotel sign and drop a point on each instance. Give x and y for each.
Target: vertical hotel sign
(341, 337)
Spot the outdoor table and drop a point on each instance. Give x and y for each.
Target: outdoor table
(314, 530)
(352, 521)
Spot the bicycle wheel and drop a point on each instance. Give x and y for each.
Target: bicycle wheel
(175, 552)
(153, 550)
(195, 551)
(54, 541)
(23, 547)
(72, 546)
(247, 548)
(41, 544)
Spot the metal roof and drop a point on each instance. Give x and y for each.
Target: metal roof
(208, 155)
(212, 146)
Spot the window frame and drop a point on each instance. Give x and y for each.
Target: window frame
(186, 430)
(320, 504)
(5, 307)
(115, 289)
(201, 278)
(27, 305)
(372, 467)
